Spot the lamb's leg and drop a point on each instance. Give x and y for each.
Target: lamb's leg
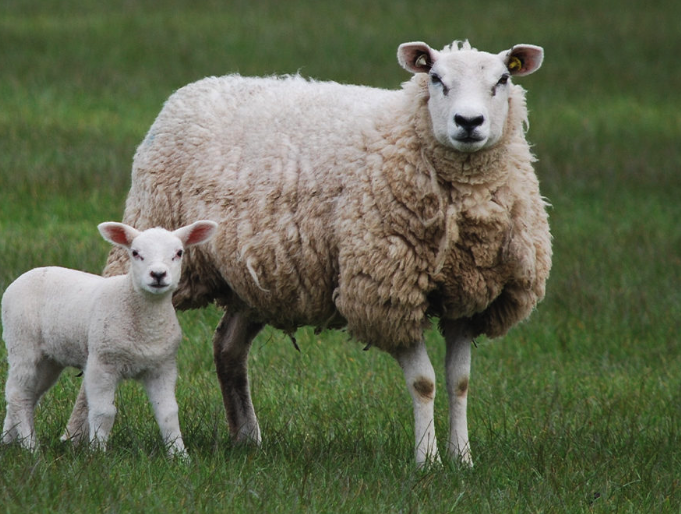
(420, 377)
(160, 387)
(77, 429)
(100, 387)
(19, 418)
(231, 344)
(458, 368)
(25, 385)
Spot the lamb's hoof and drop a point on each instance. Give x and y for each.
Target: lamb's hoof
(75, 438)
(182, 457)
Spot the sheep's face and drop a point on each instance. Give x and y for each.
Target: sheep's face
(156, 254)
(469, 90)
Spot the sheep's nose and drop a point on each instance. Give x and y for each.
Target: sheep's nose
(158, 275)
(469, 124)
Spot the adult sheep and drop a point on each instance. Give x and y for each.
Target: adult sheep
(345, 205)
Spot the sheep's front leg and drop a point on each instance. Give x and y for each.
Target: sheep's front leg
(160, 387)
(100, 388)
(458, 368)
(231, 344)
(420, 378)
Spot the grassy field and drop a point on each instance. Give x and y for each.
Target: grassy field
(577, 410)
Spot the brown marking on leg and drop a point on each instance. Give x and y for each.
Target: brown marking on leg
(462, 387)
(424, 387)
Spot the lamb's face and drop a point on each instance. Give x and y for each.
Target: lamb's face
(156, 254)
(156, 261)
(469, 90)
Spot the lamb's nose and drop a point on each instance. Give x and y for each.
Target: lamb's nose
(469, 124)
(158, 276)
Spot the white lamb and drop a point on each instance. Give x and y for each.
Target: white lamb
(112, 328)
(354, 206)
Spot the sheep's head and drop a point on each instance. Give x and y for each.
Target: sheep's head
(156, 254)
(469, 90)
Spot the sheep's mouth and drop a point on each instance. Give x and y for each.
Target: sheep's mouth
(158, 286)
(469, 139)
(468, 143)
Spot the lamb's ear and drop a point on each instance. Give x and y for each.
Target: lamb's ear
(196, 233)
(416, 57)
(523, 59)
(118, 233)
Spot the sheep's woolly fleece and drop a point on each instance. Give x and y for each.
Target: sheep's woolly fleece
(337, 206)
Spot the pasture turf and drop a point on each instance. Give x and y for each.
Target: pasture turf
(576, 410)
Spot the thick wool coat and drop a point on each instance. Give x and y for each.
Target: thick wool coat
(337, 207)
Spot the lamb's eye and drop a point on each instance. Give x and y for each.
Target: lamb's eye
(503, 80)
(179, 254)
(136, 255)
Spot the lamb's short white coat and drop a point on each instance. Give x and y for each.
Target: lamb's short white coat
(113, 328)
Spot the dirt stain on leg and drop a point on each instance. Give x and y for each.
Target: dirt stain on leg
(462, 387)
(425, 388)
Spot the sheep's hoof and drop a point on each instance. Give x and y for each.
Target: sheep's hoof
(463, 459)
(428, 461)
(248, 437)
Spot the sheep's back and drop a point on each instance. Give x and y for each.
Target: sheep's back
(268, 159)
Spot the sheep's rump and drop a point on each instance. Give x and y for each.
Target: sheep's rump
(328, 213)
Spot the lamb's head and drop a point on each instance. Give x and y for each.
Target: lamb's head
(469, 90)
(156, 254)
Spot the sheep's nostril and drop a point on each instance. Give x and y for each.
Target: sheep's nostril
(469, 124)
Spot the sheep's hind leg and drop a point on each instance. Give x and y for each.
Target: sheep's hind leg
(420, 377)
(231, 344)
(458, 368)
(77, 429)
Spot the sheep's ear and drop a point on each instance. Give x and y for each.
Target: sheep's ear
(196, 233)
(118, 233)
(523, 59)
(416, 57)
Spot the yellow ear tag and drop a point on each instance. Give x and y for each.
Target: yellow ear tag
(421, 61)
(515, 64)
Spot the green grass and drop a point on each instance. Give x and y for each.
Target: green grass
(577, 410)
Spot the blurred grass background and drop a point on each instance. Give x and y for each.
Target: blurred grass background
(577, 410)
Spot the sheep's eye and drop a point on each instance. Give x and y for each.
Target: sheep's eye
(503, 80)
(136, 255)
(179, 254)
(437, 81)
